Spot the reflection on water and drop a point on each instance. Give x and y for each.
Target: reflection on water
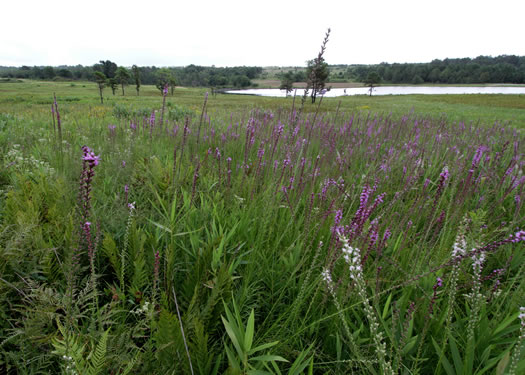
(394, 90)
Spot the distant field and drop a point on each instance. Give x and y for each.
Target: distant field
(28, 98)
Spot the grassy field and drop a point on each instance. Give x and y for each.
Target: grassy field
(79, 97)
(232, 234)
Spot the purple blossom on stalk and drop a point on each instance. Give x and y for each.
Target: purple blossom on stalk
(260, 152)
(477, 157)
(89, 162)
(165, 90)
(518, 236)
(438, 284)
(386, 235)
(444, 175)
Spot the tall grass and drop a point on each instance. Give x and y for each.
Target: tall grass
(218, 264)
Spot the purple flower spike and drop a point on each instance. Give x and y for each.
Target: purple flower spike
(519, 236)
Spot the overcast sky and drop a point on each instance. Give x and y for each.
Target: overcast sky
(262, 33)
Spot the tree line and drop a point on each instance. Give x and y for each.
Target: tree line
(482, 69)
(191, 75)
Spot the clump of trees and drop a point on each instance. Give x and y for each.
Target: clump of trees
(191, 75)
(108, 74)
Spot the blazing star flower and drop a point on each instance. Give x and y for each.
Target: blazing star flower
(519, 236)
(444, 175)
(90, 156)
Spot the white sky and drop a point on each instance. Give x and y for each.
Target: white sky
(262, 33)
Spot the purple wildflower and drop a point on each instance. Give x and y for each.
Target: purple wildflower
(519, 236)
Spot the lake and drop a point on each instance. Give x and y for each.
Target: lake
(394, 90)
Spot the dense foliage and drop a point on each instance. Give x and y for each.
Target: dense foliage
(258, 241)
(190, 76)
(482, 69)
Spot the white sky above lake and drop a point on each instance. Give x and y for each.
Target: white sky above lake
(261, 33)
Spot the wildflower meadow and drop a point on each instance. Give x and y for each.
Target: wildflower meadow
(165, 238)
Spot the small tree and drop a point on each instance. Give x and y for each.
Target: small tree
(165, 78)
(136, 77)
(113, 83)
(100, 79)
(372, 79)
(317, 71)
(122, 75)
(287, 81)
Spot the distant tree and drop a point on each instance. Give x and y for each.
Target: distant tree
(300, 76)
(64, 73)
(100, 79)
(317, 71)
(122, 75)
(241, 81)
(287, 81)
(417, 80)
(372, 79)
(107, 67)
(37, 72)
(113, 83)
(136, 77)
(48, 72)
(434, 75)
(164, 77)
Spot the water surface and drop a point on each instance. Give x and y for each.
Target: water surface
(394, 90)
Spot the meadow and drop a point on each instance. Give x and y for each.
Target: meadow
(200, 234)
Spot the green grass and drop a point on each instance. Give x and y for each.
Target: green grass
(483, 109)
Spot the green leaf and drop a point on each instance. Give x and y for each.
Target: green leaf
(387, 305)
(446, 364)
(504, 324)
(248, 338)
(268, 358)
(502, 365)
(456, 356)
(258, 372)
(231, 332)
(263, 346)
(234, 363)
(301, 362)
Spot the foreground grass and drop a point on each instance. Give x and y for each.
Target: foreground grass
(245, 240)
